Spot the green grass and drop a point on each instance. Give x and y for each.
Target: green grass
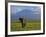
(30, 25)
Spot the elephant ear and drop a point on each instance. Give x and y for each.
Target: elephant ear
(20, 18)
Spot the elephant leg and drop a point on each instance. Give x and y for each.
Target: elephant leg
(23, 25)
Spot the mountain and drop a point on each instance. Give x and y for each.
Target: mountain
(27, 13)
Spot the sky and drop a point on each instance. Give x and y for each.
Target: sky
(15, 9)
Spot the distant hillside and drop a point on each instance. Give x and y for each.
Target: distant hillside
(26, 13)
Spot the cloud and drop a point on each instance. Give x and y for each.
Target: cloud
(36, 13)
(17, 10)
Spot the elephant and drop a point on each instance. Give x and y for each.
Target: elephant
(23, 22)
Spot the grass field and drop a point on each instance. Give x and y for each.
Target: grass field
(30, 25)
